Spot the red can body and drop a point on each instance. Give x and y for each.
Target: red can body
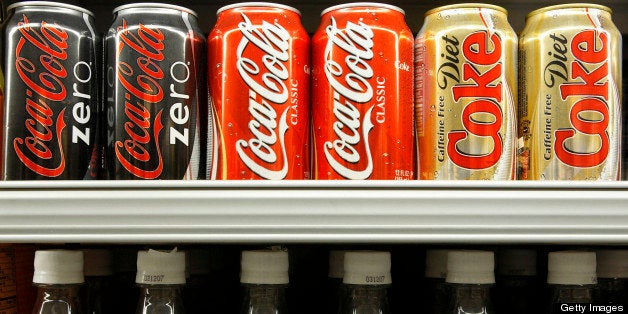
(258, 60)
(362, 104)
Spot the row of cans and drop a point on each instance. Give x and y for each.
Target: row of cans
(257, 99)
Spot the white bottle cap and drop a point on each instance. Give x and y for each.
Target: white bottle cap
(264, 267)
(367, 268)
(97, 262)
(160, 268)
(436, 263)
(571, 268)
(471, 267)
(58, 267)
(612, 264)
(516, 262)
(336, 264)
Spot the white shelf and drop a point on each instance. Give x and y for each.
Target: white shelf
(314, 212)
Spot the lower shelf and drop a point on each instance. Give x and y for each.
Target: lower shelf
(314, 212)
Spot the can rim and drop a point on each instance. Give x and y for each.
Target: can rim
(570, 6)
(257, 4)
(156, 5)
(467, 6)
(363, 4)
(49, 4)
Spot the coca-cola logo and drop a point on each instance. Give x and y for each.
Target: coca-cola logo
(349, 79)
(589, 115)
(482, 117)
(266, 45)
(140, 80)
(42, 76)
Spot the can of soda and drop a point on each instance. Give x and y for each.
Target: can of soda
(465, 89)
(51, 92)
(156, 93)
(362, 102)
(570, 104)
(259, 82)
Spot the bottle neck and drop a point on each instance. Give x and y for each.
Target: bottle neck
(160, 299)
(471, 298)
(264, 299)
(53, 298)
(366, 299)
(572, 293)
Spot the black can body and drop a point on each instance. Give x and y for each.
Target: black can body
(156, 98)
(51, 92)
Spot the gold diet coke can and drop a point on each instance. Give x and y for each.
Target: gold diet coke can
(570, 99)
(465, 91)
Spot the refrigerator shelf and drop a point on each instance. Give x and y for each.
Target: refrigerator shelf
(453, 212)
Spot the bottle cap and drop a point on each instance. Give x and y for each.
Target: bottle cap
(471, 267)
(336, 264)
(571, 268)
(612, 264)
(97, 262)
(58, 267)
(125, 260)
(367, 268)
(436, 263)
(516, 262)
(198, 262)
(264, 267)
(160, 268)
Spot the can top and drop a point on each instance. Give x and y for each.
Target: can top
(569, 6)
(154, 5)
(257, 4)
(49, 4)
(363, 4)
(466, 6)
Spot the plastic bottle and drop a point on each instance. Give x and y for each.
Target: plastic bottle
(434, 290)
(470, 277)
(264, 278)
(58, 276)
(612, 273)
(161, 277)
(8, 285)
(335, 289)
(98, 269)
(125, 269)
(518, 289)
(198, 285)
(366, 280)
(571, 277)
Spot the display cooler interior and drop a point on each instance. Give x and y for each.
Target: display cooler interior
(307, 218)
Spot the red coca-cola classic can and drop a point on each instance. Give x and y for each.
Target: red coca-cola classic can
(156, 94)
(362, 102)
(51, 97)
(258, 56)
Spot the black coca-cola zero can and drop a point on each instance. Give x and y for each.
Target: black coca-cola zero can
(156, 98)
(51, 92)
